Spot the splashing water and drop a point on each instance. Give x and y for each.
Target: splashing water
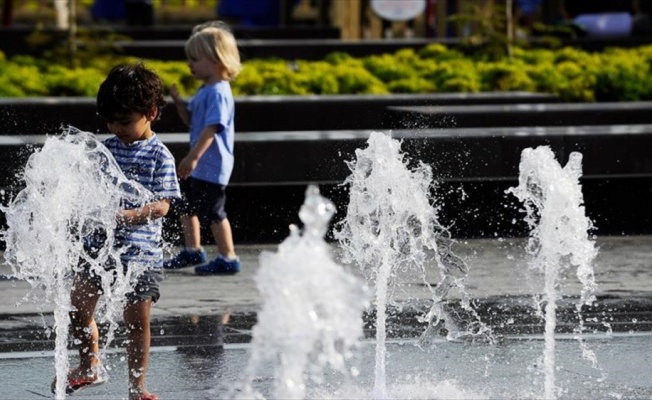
(73, 189)
(389, 231)
(312, 308)
(559, 237)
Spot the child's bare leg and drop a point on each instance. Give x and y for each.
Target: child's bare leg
(223, 238)
(137, 321)
(191, 231)
(84, 297)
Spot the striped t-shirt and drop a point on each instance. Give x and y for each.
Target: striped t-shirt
(151, 164)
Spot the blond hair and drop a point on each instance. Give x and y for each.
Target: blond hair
(219, 45)
(211, 24)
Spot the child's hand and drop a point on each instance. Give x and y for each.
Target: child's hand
(121, 218)
(186, 166)
(174, 92)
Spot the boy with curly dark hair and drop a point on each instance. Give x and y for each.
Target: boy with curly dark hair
(129, 99)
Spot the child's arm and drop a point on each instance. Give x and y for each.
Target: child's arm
(154, 210)
(189, 162)
(180, 105)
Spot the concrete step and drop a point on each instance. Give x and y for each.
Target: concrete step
(298, 113)
(473, 165)
(253, 113)
(512, 115)
(14, 39)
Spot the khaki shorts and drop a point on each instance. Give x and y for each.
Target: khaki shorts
(147, 285)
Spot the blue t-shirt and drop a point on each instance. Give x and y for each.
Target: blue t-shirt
(151, 164)
(213, 105)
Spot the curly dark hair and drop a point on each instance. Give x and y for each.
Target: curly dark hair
(128, 89)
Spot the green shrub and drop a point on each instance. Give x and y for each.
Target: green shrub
(571, 74)
(624, 75)
(408, 57)
(249, 82)
(388, 68)
(276, 75)
(175, 72)
(534, 56)
(454, 76)
(575, 82)
(317, 77)
(439, 52)
(338, 57)
(413, 84)
(25, 80)
(29, 61)
(357, 80)
(61, 81)
(572, 54)
(506, 76)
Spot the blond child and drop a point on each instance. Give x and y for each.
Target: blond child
(205, 171)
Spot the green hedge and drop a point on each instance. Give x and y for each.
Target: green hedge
(572, 74)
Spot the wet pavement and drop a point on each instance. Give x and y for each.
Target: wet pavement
(192, 307)
(447, 370)
(202, 323)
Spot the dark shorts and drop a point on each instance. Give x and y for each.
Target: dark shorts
(146, 287)
(204, 199)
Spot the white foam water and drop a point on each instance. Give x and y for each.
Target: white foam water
(559, 239)
(391, 231)
(311, 317)
(73, 188)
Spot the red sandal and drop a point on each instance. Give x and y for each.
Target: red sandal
(143, 396)
(76, 384)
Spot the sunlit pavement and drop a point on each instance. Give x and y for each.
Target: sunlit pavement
(498, 272)
(197, 315)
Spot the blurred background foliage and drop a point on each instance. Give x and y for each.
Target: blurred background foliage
(572, 74)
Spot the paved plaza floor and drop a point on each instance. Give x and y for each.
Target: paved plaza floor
(191, 361)
(498, 269)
